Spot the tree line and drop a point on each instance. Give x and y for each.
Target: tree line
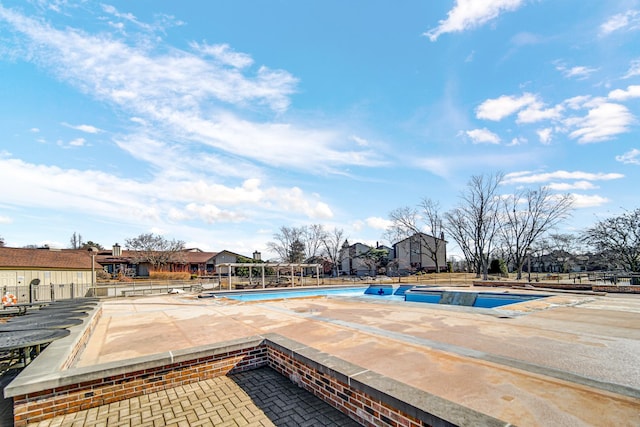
(485, 224)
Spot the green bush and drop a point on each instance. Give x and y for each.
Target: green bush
(498, 266)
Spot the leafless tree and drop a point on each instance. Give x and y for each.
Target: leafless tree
(332, 244)
(475, 222)
(313, 239)
(76, 241)
(618, 239)
(424, 223)
(287, 243)
(156, 250)
(1, 242)
(526, 216)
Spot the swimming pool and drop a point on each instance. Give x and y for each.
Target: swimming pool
(391, 293)
(302, 293)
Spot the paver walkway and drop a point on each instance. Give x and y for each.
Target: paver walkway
(261, 397)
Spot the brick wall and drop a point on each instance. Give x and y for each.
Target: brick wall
(48, 403)
(355, 403)
(365, 396)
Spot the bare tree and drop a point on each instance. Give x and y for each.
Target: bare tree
(1, 242)
(156, 250)
(416, 222)
(313, 239)
(617, 239)
(288, 244)
(475, 222)
(332, 244)
(76, 241)
(526, 215)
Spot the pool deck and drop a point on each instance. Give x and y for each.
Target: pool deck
(566, 360)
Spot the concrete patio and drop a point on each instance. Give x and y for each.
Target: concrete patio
(565, 360)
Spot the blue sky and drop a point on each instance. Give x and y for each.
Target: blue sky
(218, 122)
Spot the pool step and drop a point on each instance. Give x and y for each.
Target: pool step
(466, 299)
(379, 290)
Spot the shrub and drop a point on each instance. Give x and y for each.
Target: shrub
(169, 275)
(498, 266)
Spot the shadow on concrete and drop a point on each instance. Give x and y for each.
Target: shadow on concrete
(286, 404)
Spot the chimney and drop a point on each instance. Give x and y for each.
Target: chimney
(257, 256)
(116, 250)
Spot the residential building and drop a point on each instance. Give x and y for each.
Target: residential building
(51, 272)
(353, 261)
(415, 253)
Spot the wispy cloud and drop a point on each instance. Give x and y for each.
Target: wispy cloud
(545, 135)
(378, 223)
(83, 128)
(566, 181)
(224, 54)
(634, 69)
(161, 199)
(469, 14)
(579, 72)
(626, 21)
(631, 157)
(484, 135)
(588, 201)
(528, 177)
(601, 123)
(198, 105)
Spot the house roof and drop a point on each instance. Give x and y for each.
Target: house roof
(28, 258)
(187, 257)
(198, 257)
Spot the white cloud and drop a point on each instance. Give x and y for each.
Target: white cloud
(588, 201)
(361, 142)
(526, 39)
(518, 141)
(634, 69)
(34, 130)
(161, 199)
(469, 14)
(528, 177)
(629, 20)
(632, 91)
(579, 72)
(567, 186)
(378, 223)
(225, 54)
(83, 128)
(601, 123)
(190, 101)
(5, 220)
(499, 108)
(577, 102)
(630, 157)
(544, 135)
(78, 142)
(536, 113)
(483, 135)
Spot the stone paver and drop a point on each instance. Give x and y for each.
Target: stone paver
(261, 397)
